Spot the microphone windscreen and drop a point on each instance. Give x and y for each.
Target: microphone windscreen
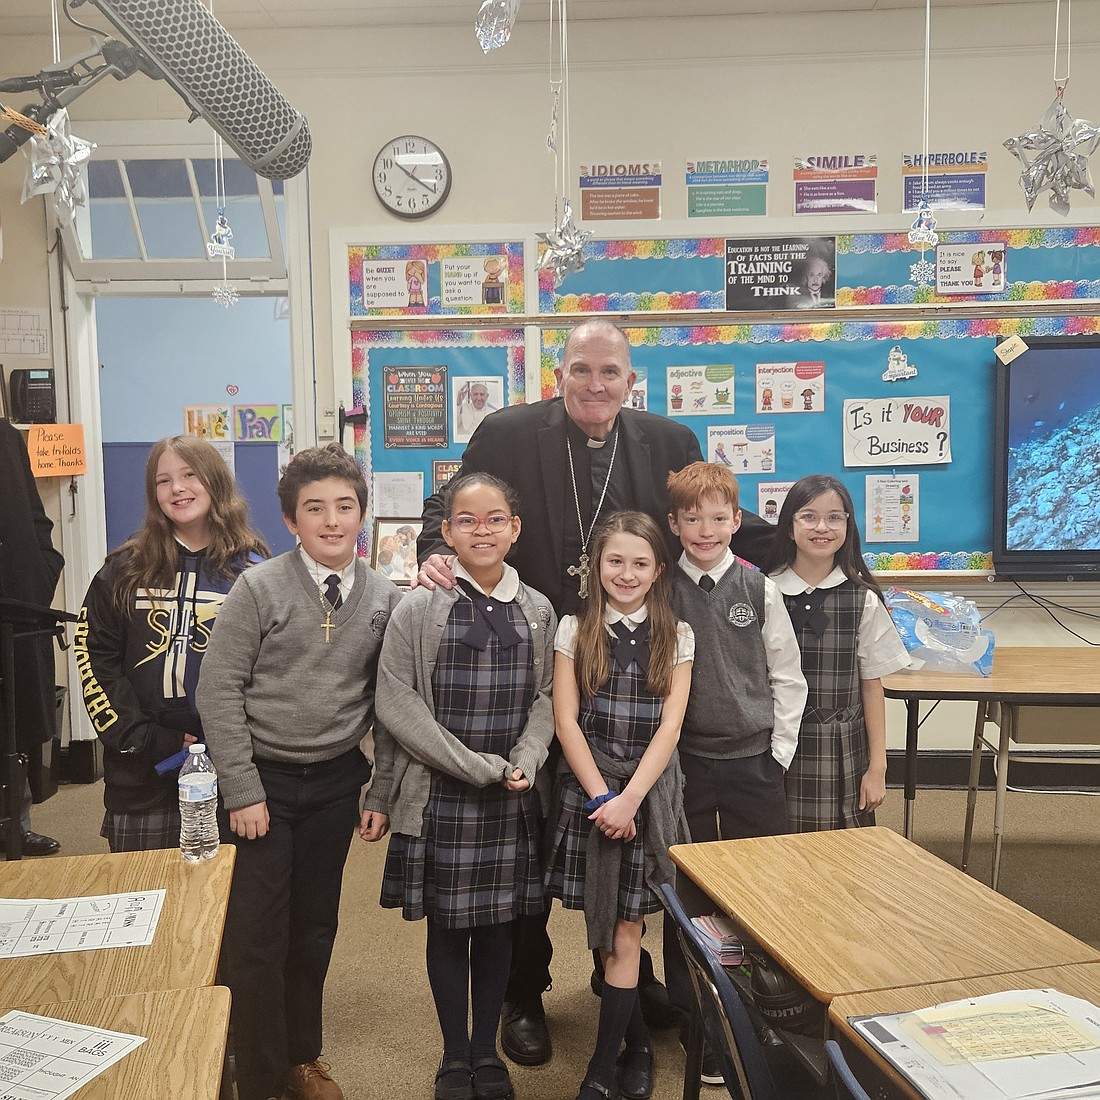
(219, 81)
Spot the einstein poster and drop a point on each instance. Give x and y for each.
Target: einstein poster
(781, 274)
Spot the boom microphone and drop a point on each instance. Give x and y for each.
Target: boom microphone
(217, 80)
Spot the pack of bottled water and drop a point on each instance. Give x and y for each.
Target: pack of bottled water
(941, 632)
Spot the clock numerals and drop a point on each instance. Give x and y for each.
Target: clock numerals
(411, 177)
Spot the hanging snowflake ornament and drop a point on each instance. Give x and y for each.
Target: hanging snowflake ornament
(219, 246)
(493, 26)
(225, 294)
(923, 272)
(1055, 156)
(59, 166)
(564, 250)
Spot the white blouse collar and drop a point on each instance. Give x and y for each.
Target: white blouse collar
(791, 584)
(505, 591)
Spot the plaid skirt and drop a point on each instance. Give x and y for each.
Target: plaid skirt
(475, 862)
(565, 865)
(141, 831)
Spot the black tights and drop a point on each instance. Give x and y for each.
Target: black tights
(468, 965)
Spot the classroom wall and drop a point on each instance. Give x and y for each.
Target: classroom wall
(775, 85)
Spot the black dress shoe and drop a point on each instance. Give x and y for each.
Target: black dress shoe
(593, 1090)
(523, 1034)
(454, 1081)
(636, 1076)
(35, 844)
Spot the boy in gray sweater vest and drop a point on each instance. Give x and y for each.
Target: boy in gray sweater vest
(286, 696)
(747, 693)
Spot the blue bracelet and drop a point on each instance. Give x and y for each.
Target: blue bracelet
(594, 804)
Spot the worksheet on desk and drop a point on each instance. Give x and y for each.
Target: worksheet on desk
(1037, 1044)
(41, 926)
(46, 1059)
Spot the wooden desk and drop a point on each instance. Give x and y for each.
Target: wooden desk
(1078, 980)
(183, 954)
(861, 909)
(1021, 676)
(185, 1029)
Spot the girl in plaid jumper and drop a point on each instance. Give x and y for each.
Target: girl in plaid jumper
(465, 720)
(621, 679)
(837, 778)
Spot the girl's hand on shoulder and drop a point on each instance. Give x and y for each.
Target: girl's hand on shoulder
(250, 822)
(517, 781)
(872, 789)
(373, 826)
(615, 818)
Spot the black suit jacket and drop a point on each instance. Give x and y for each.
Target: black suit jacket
(525, 445)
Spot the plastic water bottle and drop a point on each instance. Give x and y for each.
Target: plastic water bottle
(198, 786)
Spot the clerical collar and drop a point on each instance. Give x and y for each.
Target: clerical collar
(633, 620)
(791, 584)
(593, 444)
(506, 590)
(716, 573)
(319, 572)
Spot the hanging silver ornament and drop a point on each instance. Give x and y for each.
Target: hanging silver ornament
(495, 19)
(1055, 157)
(564, 250)
(225, 294)
(59, 166)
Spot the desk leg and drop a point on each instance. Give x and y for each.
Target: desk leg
(972, 784)
(912, 721)
(1009, 714)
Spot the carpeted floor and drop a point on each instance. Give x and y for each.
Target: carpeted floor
(381, 1034)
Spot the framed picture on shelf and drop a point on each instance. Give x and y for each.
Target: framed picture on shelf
(394, 551)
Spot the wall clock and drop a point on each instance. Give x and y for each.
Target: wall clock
(411, 176)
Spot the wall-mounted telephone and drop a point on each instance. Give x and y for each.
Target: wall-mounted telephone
(33, 396)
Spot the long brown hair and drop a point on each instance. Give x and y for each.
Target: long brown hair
(592, 647)
(149, 559)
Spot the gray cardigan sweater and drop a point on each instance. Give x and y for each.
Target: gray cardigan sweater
(272, 689)
(409, 743)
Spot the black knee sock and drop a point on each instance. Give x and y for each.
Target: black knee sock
(490, 960)
(637, 1034)
(448, 958)
(616, 1005)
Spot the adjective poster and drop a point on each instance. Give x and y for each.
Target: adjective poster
(744, 448)
(914, 431)
(414, 407)
(781, 273)
(790, 387)
(700, 391)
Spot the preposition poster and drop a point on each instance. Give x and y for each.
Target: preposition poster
(473, 399)
(394, 284)
(727, 187)
(790, 387)
(914, 431)
(414, 407)
(473, 281)
(955, 180)
(893, 508)
(769, 498)
(836, 183)
(971, 268)
(700, 391)
(744, 448)
(781, 273)
(209, 422)
(621, 191)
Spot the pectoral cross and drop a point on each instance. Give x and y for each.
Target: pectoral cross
(328, 625)
(581, 570)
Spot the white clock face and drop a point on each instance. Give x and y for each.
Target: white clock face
(411, 176)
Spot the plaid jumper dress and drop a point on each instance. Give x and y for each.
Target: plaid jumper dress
(476, 860)
(832, 756)
(620, 720)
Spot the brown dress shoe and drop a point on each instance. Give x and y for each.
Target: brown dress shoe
(311, 1081)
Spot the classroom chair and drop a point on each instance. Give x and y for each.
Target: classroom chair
(720, 1013)
(845, 1085)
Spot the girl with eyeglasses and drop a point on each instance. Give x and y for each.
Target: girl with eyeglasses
(465, 721)
(837, 778)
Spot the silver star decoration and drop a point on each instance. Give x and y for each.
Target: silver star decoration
(495, 19)
(1055, 157)
(564, 250)
(923, 272)
(225, 294)
(59, 166)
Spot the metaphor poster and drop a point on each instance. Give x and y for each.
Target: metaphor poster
(414, 407)
(913, 431)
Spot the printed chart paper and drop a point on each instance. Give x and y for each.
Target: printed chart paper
(46, 1059)
(893, 508)
(41, 926)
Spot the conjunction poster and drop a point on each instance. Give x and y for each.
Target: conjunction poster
(781, 273)
(414, 407)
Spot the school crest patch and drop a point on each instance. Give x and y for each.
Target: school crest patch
(378, 623)
(543, 612)
(742, 614)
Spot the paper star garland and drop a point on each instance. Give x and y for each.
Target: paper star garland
(564, 246)
(1055, 157)
(495, 19)
(59, 165)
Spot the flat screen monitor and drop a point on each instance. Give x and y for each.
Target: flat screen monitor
(1046, 506)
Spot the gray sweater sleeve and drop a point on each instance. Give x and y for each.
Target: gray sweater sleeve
(226, 671)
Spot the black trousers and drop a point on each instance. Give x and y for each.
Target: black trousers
(283, 913)
(723, 800)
